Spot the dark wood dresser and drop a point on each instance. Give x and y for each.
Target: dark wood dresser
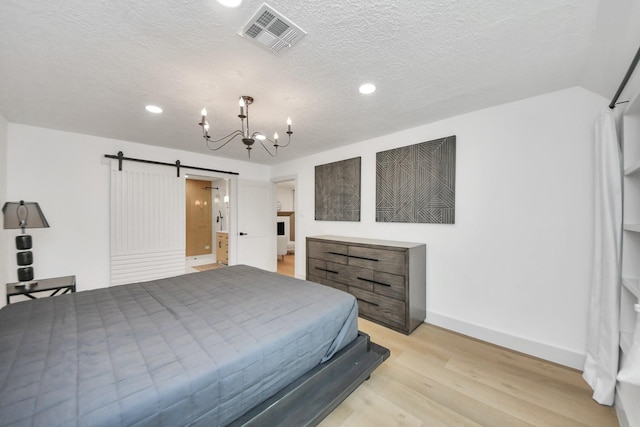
(388, 278)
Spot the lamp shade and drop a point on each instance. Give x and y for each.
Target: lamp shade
(23, 215)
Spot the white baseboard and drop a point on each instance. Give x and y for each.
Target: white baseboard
(558, 355)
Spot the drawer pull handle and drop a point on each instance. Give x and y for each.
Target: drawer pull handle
(336, 253)
(363, 257)
(368, 302)
(327, 270)
(373, 281)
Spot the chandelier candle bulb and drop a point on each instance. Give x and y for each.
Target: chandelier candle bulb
(241, 104)
(289, 125)
(203, 121)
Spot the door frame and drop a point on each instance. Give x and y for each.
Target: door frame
(297, 255)
(231, 215)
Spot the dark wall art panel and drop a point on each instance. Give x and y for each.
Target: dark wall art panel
(417, 183)
(338, 191)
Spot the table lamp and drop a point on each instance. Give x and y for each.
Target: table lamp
(24, 215)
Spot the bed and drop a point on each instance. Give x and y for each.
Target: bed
(233, 346)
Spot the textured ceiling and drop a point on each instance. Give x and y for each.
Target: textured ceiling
(90, 66)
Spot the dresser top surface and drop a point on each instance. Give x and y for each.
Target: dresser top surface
(364, 241)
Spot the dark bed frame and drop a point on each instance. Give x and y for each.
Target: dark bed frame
(310, 398)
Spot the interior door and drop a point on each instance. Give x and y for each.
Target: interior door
(147, 223)
(256, 225)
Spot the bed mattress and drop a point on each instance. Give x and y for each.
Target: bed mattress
(198, 349)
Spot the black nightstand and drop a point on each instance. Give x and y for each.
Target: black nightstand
(59, 286)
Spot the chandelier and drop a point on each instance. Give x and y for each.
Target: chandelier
(248, 138)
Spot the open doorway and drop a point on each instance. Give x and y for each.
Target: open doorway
(286, 226)
(207, 223)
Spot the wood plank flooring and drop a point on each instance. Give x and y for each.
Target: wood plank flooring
(206, 267)
(435, 377)
(287, 265)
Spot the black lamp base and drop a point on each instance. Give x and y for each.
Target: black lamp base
(25, 274)
(25, 259)
(23, 241)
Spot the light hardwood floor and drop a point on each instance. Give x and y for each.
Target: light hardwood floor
(435, 377)
(286, 265)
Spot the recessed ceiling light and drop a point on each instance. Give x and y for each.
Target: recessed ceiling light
(230, 3)
(367, 88)
(153, 109)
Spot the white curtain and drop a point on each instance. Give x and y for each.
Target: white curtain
(601, 365)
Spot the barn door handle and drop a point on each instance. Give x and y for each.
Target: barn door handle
(243, 234)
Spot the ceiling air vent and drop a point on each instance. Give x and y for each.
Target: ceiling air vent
(272, 31)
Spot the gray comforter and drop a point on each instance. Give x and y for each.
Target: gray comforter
(198, 349)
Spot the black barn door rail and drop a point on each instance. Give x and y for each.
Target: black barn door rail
(120, 158)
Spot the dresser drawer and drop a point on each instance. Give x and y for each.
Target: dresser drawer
(391, 285)
(328, 251)
(377, 259)
(350, 275)
(380, 308)
(327, 282)
(317, 268)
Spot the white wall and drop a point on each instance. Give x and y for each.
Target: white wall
(5, 258)
(67, 175)
(220, 207)
(284, 195)
(514, 268)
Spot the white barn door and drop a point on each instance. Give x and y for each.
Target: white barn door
(147, 222)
